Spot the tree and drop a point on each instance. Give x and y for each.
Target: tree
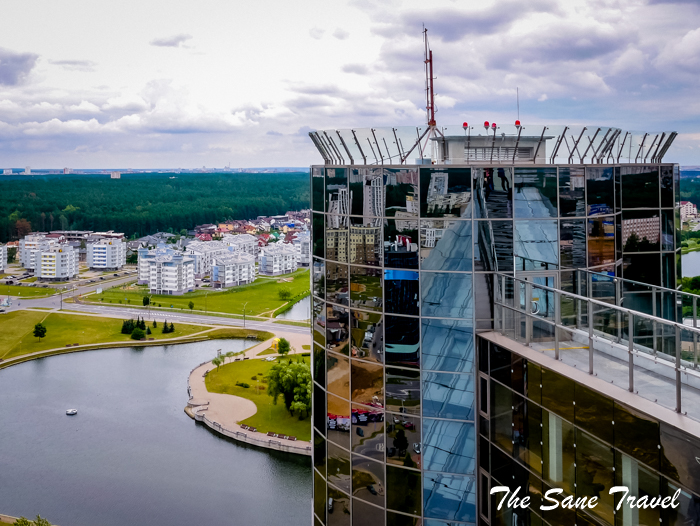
(183, 232)
(217, 362)
(191, 305)
(172, 327)
(155, 325)
(166, 329)
(23, 227)
(142, 324)
(23, 521)
(148, 330)
(146, 301)
(137, 334)
(284, 294)
(283, 347)
(292, 381)
(39, 331)
(40, 521)
(401, 442)
(11, 254)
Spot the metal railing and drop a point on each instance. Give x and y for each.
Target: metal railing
(653, 357)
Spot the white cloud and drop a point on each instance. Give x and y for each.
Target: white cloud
(316, 33)
(340, 34)
(171, 41)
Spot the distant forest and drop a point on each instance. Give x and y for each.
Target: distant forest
(141, 204)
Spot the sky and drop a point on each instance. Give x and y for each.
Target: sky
(183, 84)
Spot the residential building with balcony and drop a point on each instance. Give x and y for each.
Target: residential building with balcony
(31, 247)
(277, 259)
(203, 254)
(242, 242)
(106, 254)
(3, 258)
(231, 270)
(170, 273)
(57, 263)
(302, 244)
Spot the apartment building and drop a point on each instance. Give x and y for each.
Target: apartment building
(31, 247)
(106, 254)
(170, 273)
(203, 254)
(230, 270)
(57, 263)
(278, 259)
(3, 258)
(302, 244)
(243, 242)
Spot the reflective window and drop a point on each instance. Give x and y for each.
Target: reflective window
(448, 446)
(667, 231)
(337, 238)
(402, 346)
(594, 413)
(572, 243)
(319, 278)
(368, 480)
(445, 192)
(449, 497)
(493, 192)
(641, 482)
(319, 322)
(493, 247)
(367, 334)
(337, 287)
(337, 329)
(448, 395)
(319, 409)
(448, 345)
(403, 391)
(637, 435)
(398, 519)
(447, 295)
(338, 373)
(401, 291)
(367, 383)
(401, 192)
(640, 186)
(686, 513)
(366, 289)
(403, 490)
(318, 235)
(317, 188)
(339, 467)
(337, 194)
(536, 245)
(400, 243)
(642, 267)
(365, 242)
(367, 435)
(319, 452)
(559, 452)
(483, 288)
(600, 190)
(601, 241)
(558, 394)
(535, 192)
(338, 508)
(679, 451)
(594, 474)
(338, 422)
(403, 440)
(641, 231)
(367, 192)
(667, 187)
(533, 381)
(572, 192)
(319, 365)
(364, 514)
(501, 416)
(527, 433)
(446, 244)
(319, 496)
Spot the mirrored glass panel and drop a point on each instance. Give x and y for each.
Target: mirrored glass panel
(449, 497)
(493, 189)
(572, 243)
(319, 452)
(401, 292)
(559, 452)
(493, 248)
(536, 245)
(365, 242)
(367, 193)
(640, 186)
(319, 495)
(448, 395)
(319, 322)
(402, 345)
(642, 267)
(319, 278)
(337, 238)
(403, 440)
(403, 490)
(600, 191)
(446, 192)
(338, 374)
(339, 467)
(403, 391)
(337, 329)
(641, 481)
(572, 192)
(601, 241)
(364, 513)
(535, 192)
(667, 187)
(448, 345)
(367, 431)
(667, 233)
(446, 244)
(367, 333)
(318, 174)
(366, 288)
(319, 234)
(449, 447)
(319, 365)
(401, 192)
(338, 424)
(337, 193)
(595, 463)
(319, 409)
(368, 480)
(641, 231)
(400, 247)
(447, 295)
(337, 286)
(338, 508)
(367, 384)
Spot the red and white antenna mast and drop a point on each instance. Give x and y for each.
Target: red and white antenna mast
(429, 93)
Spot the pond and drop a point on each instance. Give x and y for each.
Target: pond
(691, 264)
(300, 311)
(131, 455)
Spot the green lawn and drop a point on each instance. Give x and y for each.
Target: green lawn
(29, 280)
(261, 296)
(25, 292)
(16, 331)
(269, 417)
(267, 351)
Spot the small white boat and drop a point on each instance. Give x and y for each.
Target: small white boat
(72, 412)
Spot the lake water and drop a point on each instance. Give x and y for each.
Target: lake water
(691, 264)
(132, 456)
(300, 311)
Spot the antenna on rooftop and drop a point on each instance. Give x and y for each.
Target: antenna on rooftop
(517, 100)
(429, 93)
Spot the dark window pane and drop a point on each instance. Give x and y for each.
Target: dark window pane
(558, 394)
(317, 188)
(637, 435)
(448, 345)
(535, 192)
(493, 192)
(319, 409)
(338, 508)
(338, 428)
(367, 383)
(367, 192)
(667, 187)
(594, 474)
(364, 242)
(446, 244)
(319, 365)
(640, 186)
(319, 235)
(641, 231)
(668, 271)
(642, 267)
(559, 453)
(337, 196)
(401, 291)
(319, 322)
(319, 452)
(337, 287)
(402, 345)
(533, 381)
(337, 329)
(367, 435)
(500, 359)
(319, 496)
(687, 512)
(502, 417)
(401, 192)
(339, 467)
(594, 413)
(447, 295)
(527, 434)
(367, 336)
(448, 395)
(572, 243)
(483, 346)
(572, 192)
(319, 278)
(600, 191)
(535, 245)
(403, 490)
(338, 374)
(483, 288)
(449, 497)
(601, 241)
(368, 480)
(397, 519)
(364, 514)
(400, 243)
(679, 454)
(493, 249)
(403, 391)
(337, 238)
(667, 230)
(641, 482)
(449, 446)
(366, 288)
(445, 192)
(403, 440)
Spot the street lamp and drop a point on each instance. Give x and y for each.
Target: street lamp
(244, 305)
(205, 302)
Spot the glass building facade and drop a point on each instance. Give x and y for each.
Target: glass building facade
(404, 259)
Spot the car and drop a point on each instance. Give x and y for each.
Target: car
(408, 425)
(416, 447)
(330, 505)
(372, 489)
(391, 451)
(101, 278)
(116, 275)
(2, 311)
(360, 432)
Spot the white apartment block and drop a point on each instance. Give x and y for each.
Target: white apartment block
(57, 263)
(233, 269)
(203, 254)
(171, 274)
(278, 259)
(302, 244)
(145, 257)
(243, 243)
(31, 247)
(3, 258)
(106, 254)
(688, 209)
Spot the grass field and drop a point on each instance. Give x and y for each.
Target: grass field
(269, 417)
(17, 339)
(261, 296)
(25, 292)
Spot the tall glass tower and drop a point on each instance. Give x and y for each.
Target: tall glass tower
(424, 251)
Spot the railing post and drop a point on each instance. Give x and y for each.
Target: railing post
(695, 311)
(590, 337)
(653, 313)
(527, 311)
(557, 323)
(678, 368)
(630, 350)
(578, 304)
(618, 302)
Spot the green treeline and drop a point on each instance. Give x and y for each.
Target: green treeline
(141, 204)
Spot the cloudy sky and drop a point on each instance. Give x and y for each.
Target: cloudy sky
(172, 83)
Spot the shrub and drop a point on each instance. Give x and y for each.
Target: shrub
(254, 377)
(137, 334)
(243, 384)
